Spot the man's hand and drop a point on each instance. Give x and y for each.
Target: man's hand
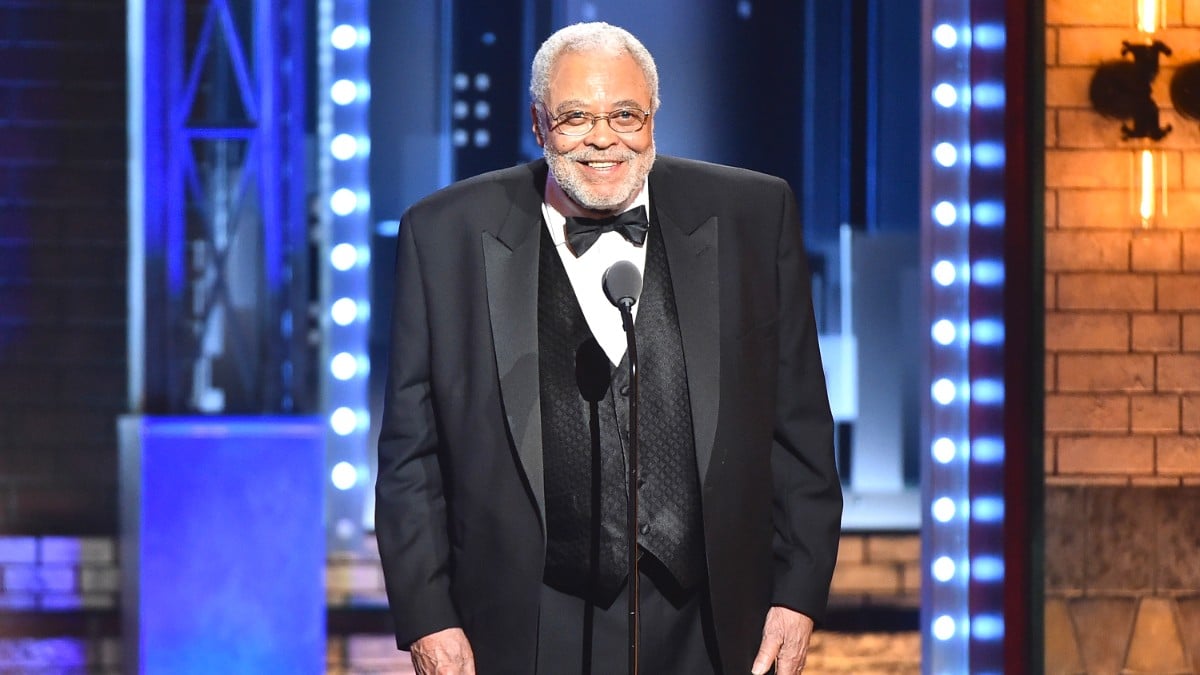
(446, 652)
(784, 643)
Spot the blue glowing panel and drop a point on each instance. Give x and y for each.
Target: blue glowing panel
(223, 545)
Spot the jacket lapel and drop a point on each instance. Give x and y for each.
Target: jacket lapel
(691, 242)
(510, 255)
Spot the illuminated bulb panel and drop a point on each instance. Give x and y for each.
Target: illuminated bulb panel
(946, 198)
(344, 140)
(962, 178)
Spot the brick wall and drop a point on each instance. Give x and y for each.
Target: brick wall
(41, 580)
(877, 570)
(1122, 356)
(62, 263)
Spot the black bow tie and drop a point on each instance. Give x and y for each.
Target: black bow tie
(583, 232)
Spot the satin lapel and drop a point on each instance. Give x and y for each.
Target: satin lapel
(692, 257)
(511, 265)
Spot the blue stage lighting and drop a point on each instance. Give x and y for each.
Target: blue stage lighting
(960, 378)
(346, 284)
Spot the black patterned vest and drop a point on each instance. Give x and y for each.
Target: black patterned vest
(585, 422)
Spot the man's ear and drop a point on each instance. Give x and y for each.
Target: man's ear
(537, 128)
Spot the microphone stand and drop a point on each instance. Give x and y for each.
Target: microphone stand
(622, 284)
(633, 468)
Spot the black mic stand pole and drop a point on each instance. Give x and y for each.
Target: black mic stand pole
(633, 468)
(622, 284)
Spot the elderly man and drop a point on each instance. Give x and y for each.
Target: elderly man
(501, 493)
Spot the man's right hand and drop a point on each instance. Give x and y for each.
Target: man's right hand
(446, 652)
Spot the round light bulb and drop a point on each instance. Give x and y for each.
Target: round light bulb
(944, 391)
(344, 311)
(343, 421)
(343, 92)
(945, 36)
(945, 95)
(343, 147)
(343, 36)
(944, 332)
(944, 450)
(944, 273)
(945, 154)
(943, 509)
(344, 366)
(945, 214)
(344, 475)
(944, 568)
(343, 257)
(944, 627)
(343, 201)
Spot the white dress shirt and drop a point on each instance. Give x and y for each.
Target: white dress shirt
(587, 273)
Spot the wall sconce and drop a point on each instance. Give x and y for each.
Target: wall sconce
(1122, 89)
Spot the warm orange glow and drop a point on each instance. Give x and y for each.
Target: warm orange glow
(1146, 208)
(1149, 187)
(1149, 15)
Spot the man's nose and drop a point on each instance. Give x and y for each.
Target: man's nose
(601, 135)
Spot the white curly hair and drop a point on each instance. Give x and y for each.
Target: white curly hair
(589, 37)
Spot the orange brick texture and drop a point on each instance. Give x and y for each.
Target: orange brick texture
(1122, 302)
(1122, 409)
(878, 569)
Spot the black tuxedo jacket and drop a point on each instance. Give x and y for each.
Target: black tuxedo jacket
(459, 498)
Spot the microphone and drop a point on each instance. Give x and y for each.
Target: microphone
(623, 284)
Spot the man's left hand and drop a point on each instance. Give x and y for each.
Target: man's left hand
(785, 642)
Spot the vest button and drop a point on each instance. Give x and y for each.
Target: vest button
(625, 390)
(645, 528)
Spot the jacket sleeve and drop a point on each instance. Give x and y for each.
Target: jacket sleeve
(410, 506)
(807, 500)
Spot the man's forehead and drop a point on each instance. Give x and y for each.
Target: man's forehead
(580, 73)
(596, 59)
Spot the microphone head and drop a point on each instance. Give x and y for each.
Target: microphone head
(622, 283)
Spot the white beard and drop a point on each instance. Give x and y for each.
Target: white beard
(564, 166)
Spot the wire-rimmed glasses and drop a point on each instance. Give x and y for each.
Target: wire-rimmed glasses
(580, 122)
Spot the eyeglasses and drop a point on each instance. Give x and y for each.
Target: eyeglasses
(580, 122)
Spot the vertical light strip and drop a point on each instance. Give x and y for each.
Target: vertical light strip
(136, 30)
(964, 190)
(1150, 185)
(946, 256)
(1146, 202)
(343, 145)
